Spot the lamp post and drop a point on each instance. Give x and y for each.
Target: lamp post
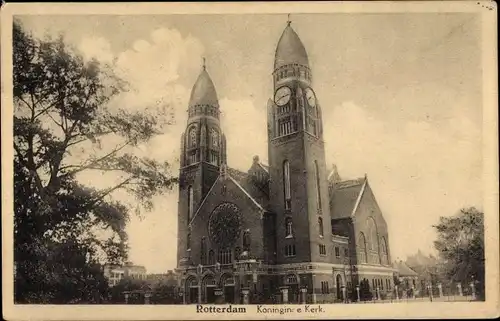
(459, 286)
(344, 289)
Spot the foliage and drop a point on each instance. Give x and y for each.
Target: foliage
(117, 292)
(165, 293)
(64, 128)
(461, 246)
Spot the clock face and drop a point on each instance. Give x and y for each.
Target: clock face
(224, 225)
(311, 98)
(282, 96)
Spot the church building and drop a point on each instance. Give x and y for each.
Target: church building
(291, 231)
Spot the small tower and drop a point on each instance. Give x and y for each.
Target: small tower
(203, 150)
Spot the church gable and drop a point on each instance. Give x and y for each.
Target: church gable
(345, 197)
(254, 183)
(368, 207)
(370, 229)
(227, 192)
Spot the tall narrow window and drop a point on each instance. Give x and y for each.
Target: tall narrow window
(290, 250)
(225, 256)
(214, 137)
(384, 255)
(188, 241)
(246, 241)
(318, 193)
(214, 158)
(211, 257)
(203, 251)
(286, 183)
(362, 248)
(192, 137)
(190, 203)
(320, 226)
(289, 227)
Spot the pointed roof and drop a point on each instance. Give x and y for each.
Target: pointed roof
(346, 196)
(242, 181)
(203, 92)
(404, 270)
(334, 176)
(290, 49)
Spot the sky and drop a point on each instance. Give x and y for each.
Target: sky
(401, 95)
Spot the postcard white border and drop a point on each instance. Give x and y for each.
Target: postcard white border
(490, 308)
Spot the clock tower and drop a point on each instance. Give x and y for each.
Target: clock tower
(203, 151)
(298, 187)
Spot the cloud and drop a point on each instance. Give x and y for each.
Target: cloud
(245, 128)
(152, 67)
(417, 169)
(96, 47)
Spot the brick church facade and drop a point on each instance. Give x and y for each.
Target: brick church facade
(290, 231)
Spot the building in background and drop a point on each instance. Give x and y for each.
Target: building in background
(116, 273)
(289, 231)
(171, 278)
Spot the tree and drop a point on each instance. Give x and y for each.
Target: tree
(134, 286)
(65, 127)
(165, 292)
(460, 243)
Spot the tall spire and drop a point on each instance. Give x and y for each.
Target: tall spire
(203, 92)
(288, 22)
(290, 49)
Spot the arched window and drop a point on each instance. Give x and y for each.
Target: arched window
(192, 137)
(190, 203)
(384, 252)
(291, 279)
(286, 183)
(237, 252)
(246, 240)
(372, 241)
(361, 248)
(211, 257)
(214, 137)
(320, 224)
(372, 234)
(203, 251)
(318, 190)
(289, 227)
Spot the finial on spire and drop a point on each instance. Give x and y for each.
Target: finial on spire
(204, 63)
(288, 22)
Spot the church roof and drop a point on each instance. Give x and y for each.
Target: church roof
(255, 192)
(203, 92)
(345, 197)
(290, 49)
(404, 270)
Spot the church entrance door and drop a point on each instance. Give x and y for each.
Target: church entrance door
(293, 288)
(193, 294)
(339, 287)
(211, 294)
(293, 293)
(229, 294)
(208, 289)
